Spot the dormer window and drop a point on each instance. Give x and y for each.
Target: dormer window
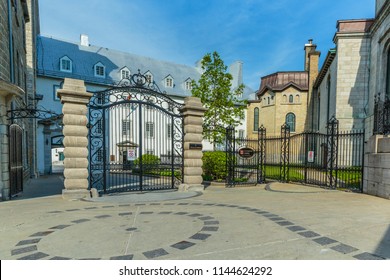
(66, 64)
(149, 77)
(125, 73)
(100, 70)
(188, 84)
(169, 82)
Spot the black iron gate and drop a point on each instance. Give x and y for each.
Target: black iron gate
(332, 160)
(15, 159)
(135, 138)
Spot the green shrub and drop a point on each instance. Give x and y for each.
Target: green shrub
(214, 165)
(148, 160)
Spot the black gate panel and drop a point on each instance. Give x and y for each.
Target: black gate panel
(136, 139)
(245, 158)
(332, 160)
(15, 159)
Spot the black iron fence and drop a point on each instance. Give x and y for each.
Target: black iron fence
(332, 160)
(381, 115)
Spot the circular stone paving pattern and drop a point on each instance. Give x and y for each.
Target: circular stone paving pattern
(195, 228)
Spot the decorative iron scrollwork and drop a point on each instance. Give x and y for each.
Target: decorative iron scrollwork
(30, 111)
(381, 115)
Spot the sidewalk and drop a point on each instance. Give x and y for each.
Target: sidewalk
(285, 222)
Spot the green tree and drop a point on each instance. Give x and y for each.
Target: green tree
(214, 88)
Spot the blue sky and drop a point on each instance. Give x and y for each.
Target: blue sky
(266, 35)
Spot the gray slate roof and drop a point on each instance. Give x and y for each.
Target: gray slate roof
(51, 50)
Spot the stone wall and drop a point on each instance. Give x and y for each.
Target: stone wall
(376, 177)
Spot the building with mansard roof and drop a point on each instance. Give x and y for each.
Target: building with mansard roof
(101, 68)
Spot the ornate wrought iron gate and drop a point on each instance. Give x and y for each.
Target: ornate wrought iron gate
(16, 159)
(333, 160)
(135, 138)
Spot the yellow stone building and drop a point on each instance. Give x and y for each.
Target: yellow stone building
(284, 97)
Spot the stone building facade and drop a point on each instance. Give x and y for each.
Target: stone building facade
(18, 26)
(284, 97)
(341, 89)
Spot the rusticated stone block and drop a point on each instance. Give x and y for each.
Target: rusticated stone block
(193, 154)
(76, 162)
(75, 141)
(74, 130)
(75, 152)
(75, 120)
(76, 173)
(76, 184)
(74, 109)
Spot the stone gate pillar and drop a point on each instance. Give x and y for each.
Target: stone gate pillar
(193, 112)
(75, 98)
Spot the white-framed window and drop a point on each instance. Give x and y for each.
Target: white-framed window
(55, 88)
(65, 64)
(241, 133)
(149, 130)
(188, 84)
(149, 77)
(125, 73)
(127, 127)
(99, 70)
(169, 82)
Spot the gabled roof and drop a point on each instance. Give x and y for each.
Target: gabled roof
(279, 81)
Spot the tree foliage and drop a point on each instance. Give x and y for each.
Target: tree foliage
(214, 88)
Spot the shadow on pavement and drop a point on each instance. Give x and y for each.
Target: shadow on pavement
(45, 185)
(383, 248)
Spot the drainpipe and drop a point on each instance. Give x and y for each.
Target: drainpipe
(11, 51)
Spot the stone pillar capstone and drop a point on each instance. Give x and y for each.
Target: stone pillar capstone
(75, 98)
(193, 112)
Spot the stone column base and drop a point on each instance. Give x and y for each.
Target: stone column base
(75, 194)
(192, 188)
(5, 194)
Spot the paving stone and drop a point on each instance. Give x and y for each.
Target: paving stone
(324, 240)
(90, 208)
(181, 213)
(209, 228)
(367, 256)
(24, 250)
(102, 216)
(206, 218)
(124, 257)
(131, 229)
(124, 205)
(196, 203)
(183, 203)
(54, 212)
(41, 233)
(200, 236)
(277, 219)
(195, 215)
(169, 203)
(108, 206)
(285, 223)
(72, 210)
(165, 212)
(182, 245)
(60, 227)
(155, 253)
(309, 234)
(80, 221)
(210, 222)
(147, 213)
(140, 204)
(28, 242)
(35, 256)
(125, 214)
(343, 248)
(60, 258)
(155, 203)
(296, 228)
(209, 204)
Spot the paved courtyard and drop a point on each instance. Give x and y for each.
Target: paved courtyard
(274, 221)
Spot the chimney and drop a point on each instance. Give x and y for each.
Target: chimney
(235, 70)
(309, 47)
(84, 41)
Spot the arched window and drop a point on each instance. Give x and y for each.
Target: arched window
(269, 100)
(284, 98)
(290, 121)
(297, 100)
(256, 119)
(291, 98)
